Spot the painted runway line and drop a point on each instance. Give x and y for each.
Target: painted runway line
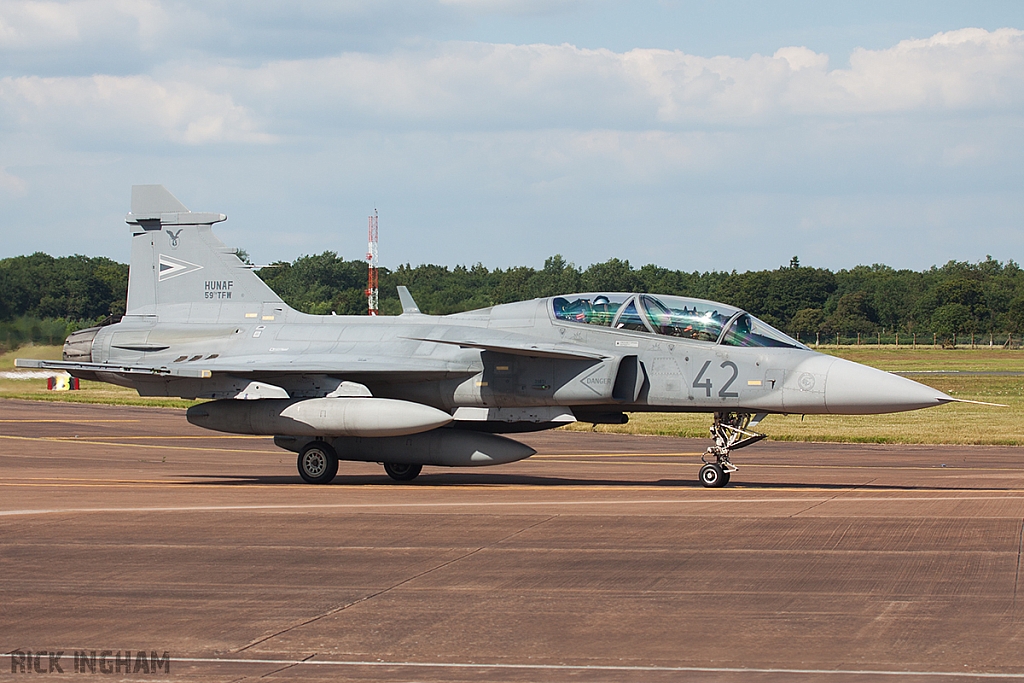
(611, 668)
(555, 457)
(65, 421)
(156, 436)
(71, 440)
(497, 504)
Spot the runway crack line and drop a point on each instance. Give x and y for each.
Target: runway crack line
(830, 499)
(301, 661)
(382, 591)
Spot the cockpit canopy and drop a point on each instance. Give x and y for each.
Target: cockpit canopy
(673, 316)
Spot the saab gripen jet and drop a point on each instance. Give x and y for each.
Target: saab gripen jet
(415, 389)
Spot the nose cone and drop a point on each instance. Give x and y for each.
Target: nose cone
(855, 389)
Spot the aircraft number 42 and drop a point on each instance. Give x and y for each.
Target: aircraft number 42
(706, 384)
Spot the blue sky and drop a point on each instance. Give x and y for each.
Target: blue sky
(694, 135)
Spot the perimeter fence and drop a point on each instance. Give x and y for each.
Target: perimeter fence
(1005, 340)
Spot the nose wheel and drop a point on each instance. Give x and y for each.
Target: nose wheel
(730, 431)
(713, 475)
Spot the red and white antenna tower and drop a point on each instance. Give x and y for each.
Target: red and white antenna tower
(372, 293)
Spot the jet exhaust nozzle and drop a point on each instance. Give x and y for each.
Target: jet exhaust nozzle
(361, 417)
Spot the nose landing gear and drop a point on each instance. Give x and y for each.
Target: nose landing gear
(714, 475)
(730, 431)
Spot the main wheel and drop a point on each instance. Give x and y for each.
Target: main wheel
(402, 472)
(318, 463)
(712, 476)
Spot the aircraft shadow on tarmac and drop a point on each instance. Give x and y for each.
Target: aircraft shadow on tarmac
(492, 479)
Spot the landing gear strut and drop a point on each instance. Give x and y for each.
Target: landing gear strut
(730, 431)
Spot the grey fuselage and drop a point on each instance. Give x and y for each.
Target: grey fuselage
(415, 389)
(482, 359)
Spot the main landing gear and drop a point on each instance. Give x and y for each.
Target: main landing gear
(730, 431)
(318, 463)
(401, 471)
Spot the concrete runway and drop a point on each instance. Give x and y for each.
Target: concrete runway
(599, 559)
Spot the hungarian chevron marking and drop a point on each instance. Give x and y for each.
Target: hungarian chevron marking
(171, 267)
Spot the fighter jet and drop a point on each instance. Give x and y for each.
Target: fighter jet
(415, 389)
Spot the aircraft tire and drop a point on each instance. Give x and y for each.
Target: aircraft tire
(318, 463)
(725, 478)
(712, 476)
(402, 472)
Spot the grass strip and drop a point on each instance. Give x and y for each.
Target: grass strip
(950, 424)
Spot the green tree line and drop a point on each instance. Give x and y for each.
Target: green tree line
(958, 298)
(43, 299)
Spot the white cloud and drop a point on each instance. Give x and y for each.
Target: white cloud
(458, 86)
(123, 109)
(958, 70)
(513, 7)
(12, 184)
(79, 37)
(45, 25)
(31, 24)
(562, 146)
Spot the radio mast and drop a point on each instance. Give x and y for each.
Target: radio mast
(372, 298)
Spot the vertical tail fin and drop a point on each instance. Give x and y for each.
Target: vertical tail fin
(408, 303)
(180, 270)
